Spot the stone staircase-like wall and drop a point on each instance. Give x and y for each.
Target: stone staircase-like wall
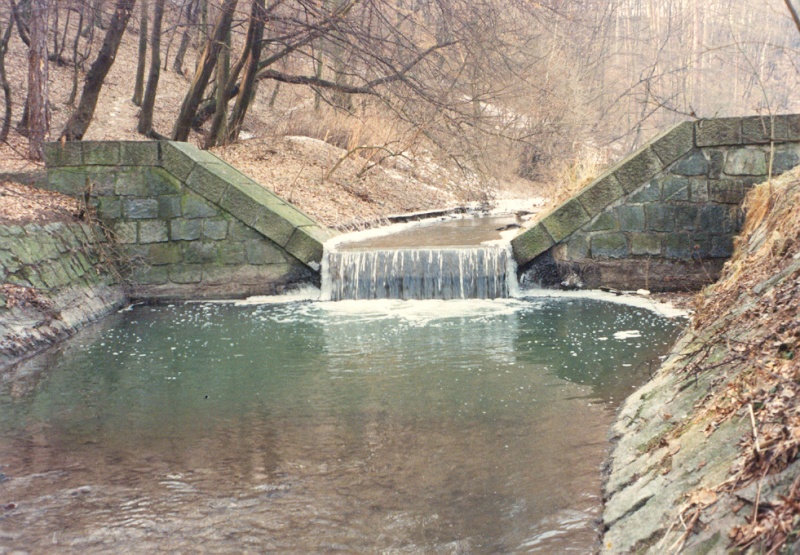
(188, 224)
(665, 217)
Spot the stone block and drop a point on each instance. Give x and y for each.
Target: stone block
(604, 222)
(109, 208)
(692, 165)
(264, 252)
(140, 208)
(273, 226)
(645, 244)
(659, 217)
(181, 229)
(648, 193)
(175, 160)
(306, 245)
(207, 183)
(195, 206)
(565, 219)
(675, 188)
(785, 159)
(291, 215)
(138, 153)
(150, 275)
(160, 254)
(578, 248)
(630, 217)
(57, 154)
(679, 245)
(200, 252)
(715, 219)
(216, 229)
(232, 253)
(698, 190)
(169, 207)
(125, 232)
(246, 275)
(637, 169)
(70, 181)
(237, 231)
(674, 143)
(763, 129)
(726, 192)
(721, 246)
(748, 161)
(716, 163)
(718, 132)
(160, 182)
(241, 205)
(531, 244)
(100, 153)
(153, 231)
(600, 194)
(131, 182)
(686, 216)
(792, 127)
(609, 245)
(102, 180)
(186, 273)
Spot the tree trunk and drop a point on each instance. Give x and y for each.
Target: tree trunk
(146, 115)
(38, 116)
(205, 66)
(76, 63)
(4, 80)
(221, 112)
(247, 89)
(177, 65)
(80, 120)
(138, 87)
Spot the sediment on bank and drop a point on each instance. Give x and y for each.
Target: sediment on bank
(55, 277)
(706, 457)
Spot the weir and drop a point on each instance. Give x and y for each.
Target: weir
(481, 272)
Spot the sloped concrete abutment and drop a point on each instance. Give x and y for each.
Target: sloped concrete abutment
(665, 217)
(188, 225)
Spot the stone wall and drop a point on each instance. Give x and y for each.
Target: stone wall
(191, 226)
(53, 283)
(665, 217)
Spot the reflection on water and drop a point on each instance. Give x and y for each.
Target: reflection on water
(354, 427)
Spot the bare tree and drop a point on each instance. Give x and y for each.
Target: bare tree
(145, 124)
(4, 38)
(138, 87)
(37, 109)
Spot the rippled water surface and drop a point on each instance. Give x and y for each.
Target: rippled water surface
(352, 427)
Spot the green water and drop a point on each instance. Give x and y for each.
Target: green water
(353, 427)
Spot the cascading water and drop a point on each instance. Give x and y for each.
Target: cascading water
(482, 272)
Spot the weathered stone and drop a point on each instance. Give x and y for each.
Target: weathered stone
(726, 192)
(578, 247)
(246, 275)
(692, 165)
(194, 206)
(785, 159)
(101, 180)
(674, 143)
(160, 182)
(718, 132)
(792, 127)
(151, 275)
(125, 232)
(721, 246)
(306, 245)
(274, 226)
(698, 190)
(101, 153)
(206, 182)
(714, 219)
(109, 208)
(748, 161)
(600, 194)
(215, 229)
(185, 230)
(675, 188)
(175, 160)
(153, 231)
(237, 231)
(645, 244)
(232, 253)
(637, 169)
(57, 154)
(160, 254)
(630, 217)
(139, 209)
(241, 205)
(686, 216)
(264, 252)
(716, 160)
(531, 244)
(679, 245)
(186, 273)
(200, 252)
(659, 217)
(604, 222)
(138, 153)
(70, 181)
(131, 182)
(649, 193)
(565, 219)
(609, 245)
(762, 129)
(169, 207)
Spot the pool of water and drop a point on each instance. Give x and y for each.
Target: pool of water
(351, 427)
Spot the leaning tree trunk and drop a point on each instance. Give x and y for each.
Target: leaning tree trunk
(248, 86)
(145, 124)
(138, 87)
(221, 113)
(177, 65)
(38, 117)
(205, 66)
(79, 122)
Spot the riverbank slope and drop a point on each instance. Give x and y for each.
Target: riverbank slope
(706, 457)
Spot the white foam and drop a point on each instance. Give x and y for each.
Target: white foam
(667, 310)
(627, 334)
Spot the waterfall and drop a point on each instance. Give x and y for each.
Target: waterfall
(428, 273)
